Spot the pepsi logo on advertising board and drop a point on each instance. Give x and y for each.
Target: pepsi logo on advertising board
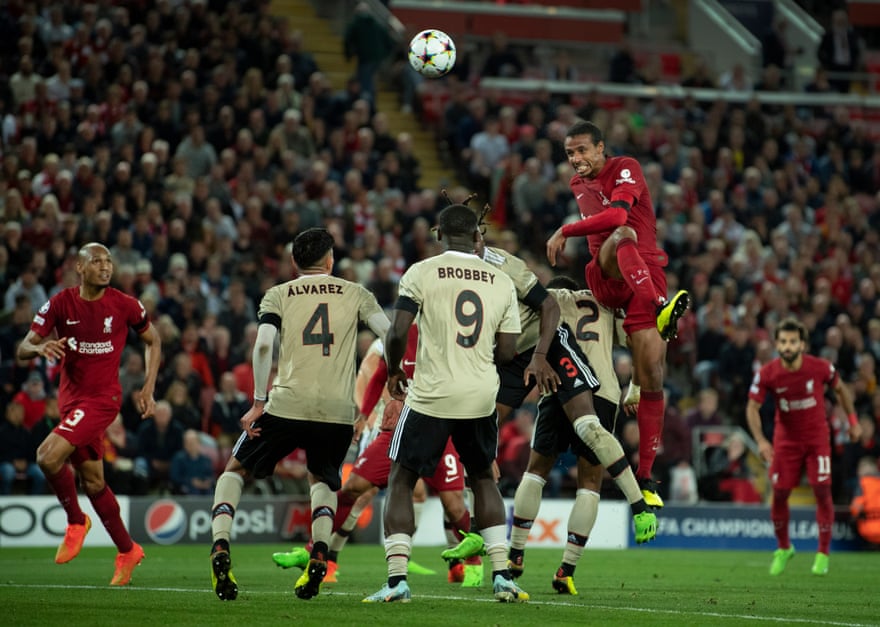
(165, 522)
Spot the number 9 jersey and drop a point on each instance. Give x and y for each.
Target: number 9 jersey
(463, 302)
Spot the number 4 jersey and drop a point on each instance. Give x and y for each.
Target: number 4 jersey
(317, 316)
(463, 302)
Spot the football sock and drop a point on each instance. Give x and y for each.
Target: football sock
(580, 524)
(635, 272)
(341, 535)
(779, 514)
(418, 508)
(397, 550)
(227, 494)
(344, 504)
(565, 570)
(650, 419)
(824, 515)
(107, 507)
(323, 508)
(495, 540)
(450, 532)
(610, 455)
(462, 526)
(526, 504)
(64, 485)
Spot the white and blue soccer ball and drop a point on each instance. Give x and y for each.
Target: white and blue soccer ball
(432, 53)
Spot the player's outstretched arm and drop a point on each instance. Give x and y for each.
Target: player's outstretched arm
(35, 345)
(152, 359)
(753, 417)
(555, 245)
(545, 377)
(844, 397)
(395, 347)
(505, 348)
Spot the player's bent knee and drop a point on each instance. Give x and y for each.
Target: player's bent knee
(600, 441)
(624, 232)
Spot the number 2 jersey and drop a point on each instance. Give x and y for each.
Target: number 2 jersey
(317, 317)
(96, 332)
(595, 329)
(462, 303)
(800, 398)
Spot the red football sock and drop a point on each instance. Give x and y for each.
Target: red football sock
(344, 504)
(462, 526)
(107, 506)
(824, 516)
(650, 419)
(64, 485)
(635, 272)
(779, 514)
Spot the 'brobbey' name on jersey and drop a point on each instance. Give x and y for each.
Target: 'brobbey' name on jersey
(317, 316)
(96, 332)
(800, 398)
(595, 329)
(463, 302)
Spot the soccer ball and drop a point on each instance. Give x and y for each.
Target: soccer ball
(432, 53)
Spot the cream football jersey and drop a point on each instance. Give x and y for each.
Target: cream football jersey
(463, 302)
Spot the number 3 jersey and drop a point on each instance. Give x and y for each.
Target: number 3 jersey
(801, 415)
(317, 317)
(462, 303)
(95, 332)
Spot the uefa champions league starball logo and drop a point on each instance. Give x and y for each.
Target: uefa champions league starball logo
(165, 522)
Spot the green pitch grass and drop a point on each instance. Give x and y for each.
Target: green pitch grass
(636, 587)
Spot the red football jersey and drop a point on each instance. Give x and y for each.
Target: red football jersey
(800, 403)
(620, 179)
(96, 333)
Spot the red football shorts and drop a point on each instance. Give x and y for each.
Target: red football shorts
(449, 475)
(374, 465)
(616, 294)
(84, 426)
(789, 459)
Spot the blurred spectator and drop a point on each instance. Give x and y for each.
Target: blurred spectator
(191, 470)
(867, 446)
(120, 450)
(28, 285)
(158, 439)
(674, 455)
(840, 50)
(18, 453)
(728, 476)
(777, 50)
(706, 413)
(49, 420)
(622, 68)
(369, 42)
(865, 506)
(502, 60)
(514, 446)
(291, 474)
(32, 399)
(227, 408)
(184, 409)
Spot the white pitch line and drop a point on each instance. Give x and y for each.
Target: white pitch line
(450, 597)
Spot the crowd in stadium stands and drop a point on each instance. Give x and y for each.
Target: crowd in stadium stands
(196, 138)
